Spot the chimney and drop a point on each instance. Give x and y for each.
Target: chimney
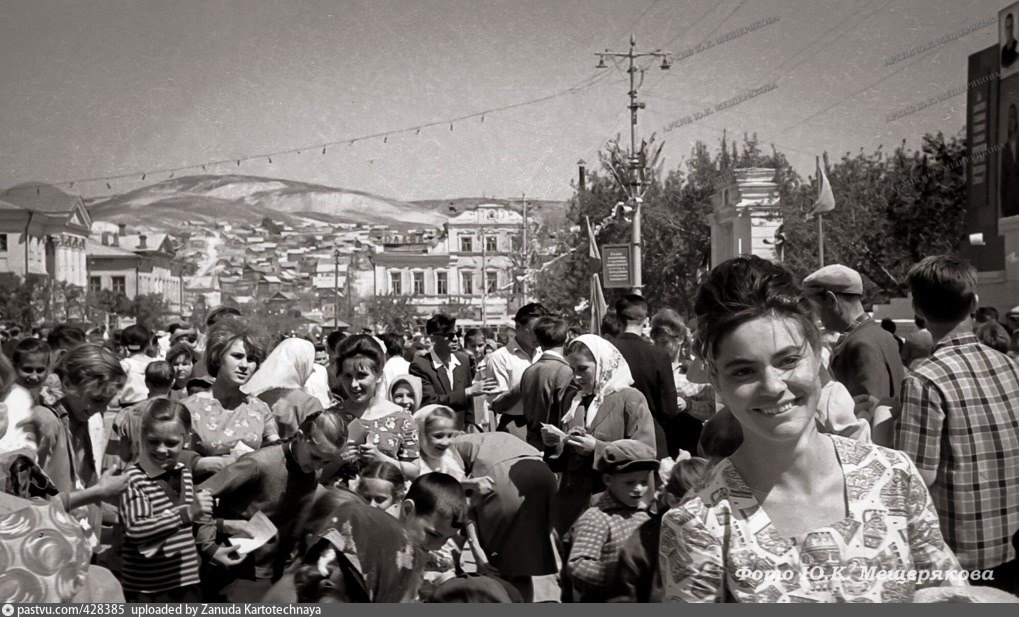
(123, 228)
(106, 238)
(141, 241)
(582, 173)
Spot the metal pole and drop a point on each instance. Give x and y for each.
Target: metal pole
(484, 278)
(820, 238)
(523, 286)
(635, 228)
(336, 288)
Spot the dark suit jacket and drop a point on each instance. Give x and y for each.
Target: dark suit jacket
(435, 386)
(867, 361)
(543, 386)
(652, 375)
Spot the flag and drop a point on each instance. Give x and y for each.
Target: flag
(825, 201)
(598, 305)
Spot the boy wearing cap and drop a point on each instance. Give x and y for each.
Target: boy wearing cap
(866, 358)
(599, 533)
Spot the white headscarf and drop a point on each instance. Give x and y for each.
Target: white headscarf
(450, 463)
(612, 374)
(289, 366)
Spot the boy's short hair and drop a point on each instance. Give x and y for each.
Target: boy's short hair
(329, 423)
(136, 337)
(943, 288)
(164, 410)
(551, 332)
(631, 308)
(393, 343)
(440, 493)
(440, 323)
(527, 312)
(158, 375)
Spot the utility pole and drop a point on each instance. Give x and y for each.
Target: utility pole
(336, 287)
(484, 279)
(636, 180)
(527, 260)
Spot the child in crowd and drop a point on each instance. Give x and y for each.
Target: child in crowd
(182, 358)
(136, 340)
(436, 430)
(636, 577)
(276, 480)
(383, 486)
(125, 435)
(405, 391)
(613, 517)
(159, 510)
(31, 359)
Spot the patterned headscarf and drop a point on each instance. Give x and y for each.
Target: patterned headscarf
(612, 374)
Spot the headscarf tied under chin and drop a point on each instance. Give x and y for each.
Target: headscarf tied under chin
(289, 365)
(612, 374)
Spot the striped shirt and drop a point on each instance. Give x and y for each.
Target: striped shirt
(959, 419)
(159, 551)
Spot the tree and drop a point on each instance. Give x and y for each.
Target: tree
(149, 310)
(389, 313)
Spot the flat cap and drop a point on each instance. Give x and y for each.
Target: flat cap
(625, 455)
(835, 278)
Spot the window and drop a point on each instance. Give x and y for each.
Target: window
(95, 284)
(441, 283)
(3, 243)
(395, 283)
(491, 282)
(466, 244)
(491, 244)
(419, 283)
(119, 285)
(467, 283)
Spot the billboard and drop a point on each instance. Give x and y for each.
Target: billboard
(982, 170)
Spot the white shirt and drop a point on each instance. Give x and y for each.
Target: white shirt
(507, 365)
(437, 364)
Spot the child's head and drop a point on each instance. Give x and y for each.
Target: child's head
(165, 428)
(685, 475)
(91, 376)
(474, 343)
(382, 485)
(551, 332)
(626, 465)
(159, 378)
(31, 359)
(318, 440)
(182, 360)
(436, 429)
(404, 394)
(434, 510)
(136, 338)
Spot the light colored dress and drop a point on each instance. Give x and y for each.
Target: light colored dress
(721, 545)
(217, 430)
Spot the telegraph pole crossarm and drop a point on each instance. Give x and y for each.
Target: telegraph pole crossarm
(636, 182)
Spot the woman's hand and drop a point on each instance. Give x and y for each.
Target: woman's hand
(112, 484)
(227, 556)
(370, 453)
(583, 444)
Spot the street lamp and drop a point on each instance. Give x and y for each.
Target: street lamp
(637, 160)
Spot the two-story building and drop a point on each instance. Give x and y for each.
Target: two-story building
(135, 264)
(43, 231)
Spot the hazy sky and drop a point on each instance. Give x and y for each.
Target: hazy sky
(95, 88)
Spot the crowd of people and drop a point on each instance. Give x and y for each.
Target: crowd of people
(785, 448)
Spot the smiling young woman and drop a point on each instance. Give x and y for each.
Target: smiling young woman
(777, 519)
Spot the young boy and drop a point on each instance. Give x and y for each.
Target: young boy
(599, 533)
(136, 339)
(125, 431)
(278, 481)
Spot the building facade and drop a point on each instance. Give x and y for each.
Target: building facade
(43, 231)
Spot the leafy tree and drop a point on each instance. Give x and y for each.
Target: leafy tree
(390, 313)
(149, 310)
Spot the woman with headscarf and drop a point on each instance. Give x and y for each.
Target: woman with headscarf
(280, 380)
(603, 409)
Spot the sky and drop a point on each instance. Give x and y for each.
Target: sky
(101, 88)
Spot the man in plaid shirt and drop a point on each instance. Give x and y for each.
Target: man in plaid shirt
(958, 419)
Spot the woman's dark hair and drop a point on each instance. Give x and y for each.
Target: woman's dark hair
(165, 410)
(610, 325)
(743, 289)
(223, 335)
(360, 345)
(29, 347)
(994, 335)
(670, 324)
(181, 350)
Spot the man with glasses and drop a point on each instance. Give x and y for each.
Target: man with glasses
(446, 376)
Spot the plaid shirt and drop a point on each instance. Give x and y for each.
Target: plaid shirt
(598, 537)
(959, 419)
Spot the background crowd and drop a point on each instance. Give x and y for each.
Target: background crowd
(788, 447)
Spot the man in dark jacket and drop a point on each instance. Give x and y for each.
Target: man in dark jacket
(866, 358)
(544, 384)
(652, 375)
